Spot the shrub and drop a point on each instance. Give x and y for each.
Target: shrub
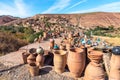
(9, 43)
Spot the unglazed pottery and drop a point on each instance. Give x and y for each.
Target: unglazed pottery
(40, 60)
(33, 69)
(24, 56)
(94, 70)
(76, 61)
(52, 43)
(60, 59)
(31, 59)
(114, 67)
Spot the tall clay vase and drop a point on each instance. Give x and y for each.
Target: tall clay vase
(31, 59)
(33, 69)
(94, 70)
(76, 61)
(60, 59)
(24, 56)
(114, 67)
(40, 60)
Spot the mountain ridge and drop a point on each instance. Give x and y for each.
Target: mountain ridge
(83, 20)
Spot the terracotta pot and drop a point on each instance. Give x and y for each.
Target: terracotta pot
(24, 56)
(52, 43)
(31, 59)
(68, 46)
(44, 35)
(95, 56)
(60, 59)
(62, 47)
(76, 61)
(94, 70)
(70, 35)
(33, 69)
(106, 59)
(40, 60)
(114, 67)
(70, 40)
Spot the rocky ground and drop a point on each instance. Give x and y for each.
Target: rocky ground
(21, 72)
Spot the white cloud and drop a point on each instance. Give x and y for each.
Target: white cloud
(57, 6)
(82, 1)
(18, 8)
(111, 7)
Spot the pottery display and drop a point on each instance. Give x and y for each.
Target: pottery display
(115, 64)
(60, 59)
(24, 56)
(33, 69)
(76, 61)
(94, 70)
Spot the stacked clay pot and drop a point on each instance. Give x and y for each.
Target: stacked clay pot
(115, 64)
(60, 59)
(76, 61)
(94, 70)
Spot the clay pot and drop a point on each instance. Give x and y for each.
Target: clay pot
(40, 60)
(70, 40)
(76, 61)
(106, 59)
(52, 43)
(33, 69)
(94, 70)
(68, 46)
(31, 59)
(95, 56)
(24, 56)
(70, 35)
(62, 47)
(44, 35)
(114, 67)
(60, 59)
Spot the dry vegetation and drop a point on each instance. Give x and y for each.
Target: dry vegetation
(114, 41)
(9, 43)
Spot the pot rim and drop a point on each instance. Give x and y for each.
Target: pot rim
(75, 50)
(59, 52)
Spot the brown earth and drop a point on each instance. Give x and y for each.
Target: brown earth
(86, 20)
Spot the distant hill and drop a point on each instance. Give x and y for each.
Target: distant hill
(86, 20)
(6, 19)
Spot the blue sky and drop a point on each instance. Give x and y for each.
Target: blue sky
(26, 8)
